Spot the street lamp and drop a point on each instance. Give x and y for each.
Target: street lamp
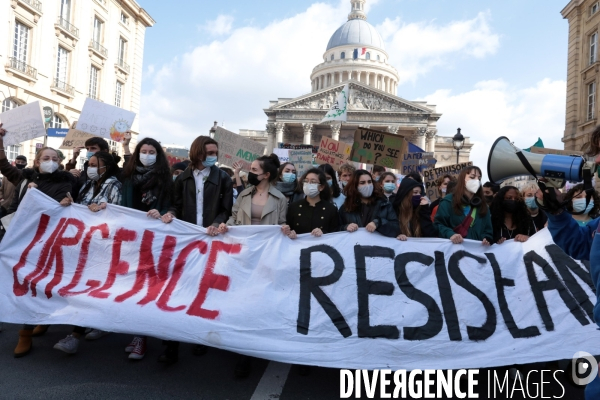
(458, 141)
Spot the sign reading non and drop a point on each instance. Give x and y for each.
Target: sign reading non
(235, 148)
(431, 175)
(23, 123)
(104, 120)
(378, 148)
(302, 160)
(333, 152)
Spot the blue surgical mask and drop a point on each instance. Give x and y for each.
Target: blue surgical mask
(210, 161)
(531, 204)
(579, 205)
(376, 179)
(330, 182)
(288, 177)
(89, 154)
(389, 187)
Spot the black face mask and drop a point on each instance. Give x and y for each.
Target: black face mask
(253, 179)
(20, 166)
(488, 199)
(509, 206)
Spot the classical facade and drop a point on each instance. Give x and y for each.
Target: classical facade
(60, 52)
(583, 72)
(356, 55)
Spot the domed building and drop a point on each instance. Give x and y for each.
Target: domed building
(356, 55)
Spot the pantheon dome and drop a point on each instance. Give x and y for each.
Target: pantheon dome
(358, 32)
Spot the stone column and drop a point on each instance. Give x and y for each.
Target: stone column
(421, 137)
(368, 78)
(335, 130)
(271, 138)
(307, 132)
(279, 128)
(431, 133)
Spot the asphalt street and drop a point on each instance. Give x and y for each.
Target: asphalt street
(101, 370)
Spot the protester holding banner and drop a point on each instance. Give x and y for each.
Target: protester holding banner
(314, 214)
(259, 204)
(464, 214)
(7, 190)
(510, 218)
(345, 172)
(365, 207)
(413, 211)
(388, 185)
(286, 183)
(147, 185)
(337, 197)
(576, 205)
(102, 188)
(539, 218)
(202, 195)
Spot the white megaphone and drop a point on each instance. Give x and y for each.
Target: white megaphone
(504, 163)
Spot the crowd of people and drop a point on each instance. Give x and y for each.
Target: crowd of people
(321, 201)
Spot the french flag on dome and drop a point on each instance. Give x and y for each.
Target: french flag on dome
(359, 52)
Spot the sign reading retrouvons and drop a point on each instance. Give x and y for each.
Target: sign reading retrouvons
(235, 148)
(344, 300)
(431, 175)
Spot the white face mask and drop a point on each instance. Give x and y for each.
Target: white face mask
(311, 189)
(147, 159)
(366, 190)
(48, 167)
(473, 185)
(92, 173)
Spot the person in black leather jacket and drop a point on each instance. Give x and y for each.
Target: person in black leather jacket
(365, 207)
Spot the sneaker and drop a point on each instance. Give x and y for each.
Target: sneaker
(96, 334)
(139, 350)
(131, 345)
(68, 345)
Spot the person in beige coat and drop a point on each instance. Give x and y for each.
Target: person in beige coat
(259, 204)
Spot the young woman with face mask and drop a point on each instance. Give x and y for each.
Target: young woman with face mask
(102, 188)
(388, 186)
(147, 187)
(576, 204)
(510, 218)
(464, 214)
(539, 217)
(337, 197)
(413, 212)
(365, 207)
(259, 204)
(288, 184)
(314, 214)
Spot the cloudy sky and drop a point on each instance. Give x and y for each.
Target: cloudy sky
(493, 68)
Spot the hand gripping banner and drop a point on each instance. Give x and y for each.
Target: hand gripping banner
(345, 300)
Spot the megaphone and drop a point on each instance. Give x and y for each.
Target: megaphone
(504, 163)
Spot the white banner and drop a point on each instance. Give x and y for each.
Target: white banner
(23, 123)
(345, 300)
(104, 120)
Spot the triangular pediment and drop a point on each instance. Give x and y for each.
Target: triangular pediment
(361, 98)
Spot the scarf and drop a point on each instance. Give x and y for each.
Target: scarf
(286, 188)
(145, 178)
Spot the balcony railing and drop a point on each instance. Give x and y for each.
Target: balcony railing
(98, 48)
(123, 65)
(21, 66)
(65, 87)
(37, 5)
(69, 27)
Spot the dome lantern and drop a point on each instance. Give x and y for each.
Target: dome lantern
(358, 10)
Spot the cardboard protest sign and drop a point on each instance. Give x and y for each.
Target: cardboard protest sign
(235, 148)
(305, 301)
(417, 162)
(431, 175)
(544, 150)
(291, 146)
(302, 160)
(75, 138)
(378, 148)
(333, 152)
(104, 120)
(283, 154)
(23, 123)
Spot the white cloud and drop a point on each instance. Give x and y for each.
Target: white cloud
(493, 109)
(232, 78)
(417, 48)
(220, 26)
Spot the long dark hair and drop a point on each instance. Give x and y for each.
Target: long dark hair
(576, 190)
(459, 197)
(335, 188)
(326, 192)
(161, 166)
(112, 169)
(409, 216)
(353, 197)
(520, 216)
(282, 167)
(271, 165)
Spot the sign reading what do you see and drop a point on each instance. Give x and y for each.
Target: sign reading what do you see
(23, 123)
(344, 300)
(235, 148)
(101, 119)
(378, 148)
